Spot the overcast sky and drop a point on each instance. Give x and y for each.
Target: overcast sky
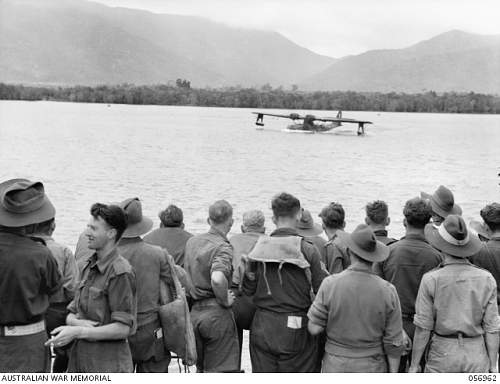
(339, 28)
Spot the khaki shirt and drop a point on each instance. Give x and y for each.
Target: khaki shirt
(360, 313)
(150, 266)
(205, 254)
(336, 257)
(242, 243)
(458, 297)
(107, 291)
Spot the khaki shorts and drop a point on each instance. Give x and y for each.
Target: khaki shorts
(457, 355)
(371, 364)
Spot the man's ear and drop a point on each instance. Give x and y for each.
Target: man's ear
(387, 221)
(367, 222)
(111, 234)
(405, 223)
(343, 224)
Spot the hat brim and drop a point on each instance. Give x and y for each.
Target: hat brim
(455, 210)
(8, 219)
(314, 231)
(380, 254)
(471, 248)
(138, 229)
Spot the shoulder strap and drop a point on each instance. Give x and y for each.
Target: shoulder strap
(164, 289)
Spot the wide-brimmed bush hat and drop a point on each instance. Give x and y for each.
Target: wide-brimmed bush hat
(453, 237)
(137, 223)
(363, 243)
(442, 202)
(24, 202)
(306, 225)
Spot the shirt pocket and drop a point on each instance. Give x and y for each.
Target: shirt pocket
(97, 305)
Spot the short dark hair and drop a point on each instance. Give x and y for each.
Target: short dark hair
(491, 216)
(285, 205)
(113, 215)
(417, 212)
(172, 216)
(377, 211)
(220, 211)
(44, 227)
(333, 216)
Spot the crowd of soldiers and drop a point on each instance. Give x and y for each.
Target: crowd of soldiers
(314, 297)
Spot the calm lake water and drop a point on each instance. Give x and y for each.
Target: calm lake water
(190, 156)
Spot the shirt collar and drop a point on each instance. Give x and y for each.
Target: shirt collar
(285, 232)
(415, 236)
(102, 264)
(253, 234)
(380, 232)
(360, 269)
(130, 240)
(338, 233)
(215, 231)
(45, 238)
(457, 261)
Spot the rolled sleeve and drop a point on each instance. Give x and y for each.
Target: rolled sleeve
(393, 334)
(318, 312)
(122, 299)
(223, 260)
(491, 320)
(424, 316)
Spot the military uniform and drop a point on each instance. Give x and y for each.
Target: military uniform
(458, 303)
(214, 326)
(279, 339)
(28, 276)
(150, 266)
(362, 318)
(106, 294)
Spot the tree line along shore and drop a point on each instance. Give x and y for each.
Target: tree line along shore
(182, 94)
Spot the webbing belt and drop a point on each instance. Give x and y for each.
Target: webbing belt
(22, 330)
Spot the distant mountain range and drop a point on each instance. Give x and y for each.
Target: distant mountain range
(452, 61)
(80, 42)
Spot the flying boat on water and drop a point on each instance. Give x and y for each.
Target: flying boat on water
(313, 124)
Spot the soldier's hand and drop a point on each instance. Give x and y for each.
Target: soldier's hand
(64, 335)
(407, 342)
(493, 369)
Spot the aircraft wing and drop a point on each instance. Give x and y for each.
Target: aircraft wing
(342, 120)
(293, 116)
